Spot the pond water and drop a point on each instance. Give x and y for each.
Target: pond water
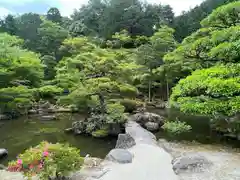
(201, 130)
(19, 134)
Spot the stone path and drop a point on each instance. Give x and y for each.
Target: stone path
(150, 162)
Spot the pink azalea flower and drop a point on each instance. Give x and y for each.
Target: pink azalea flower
(19, 162)
(45, 153)
(40, 166)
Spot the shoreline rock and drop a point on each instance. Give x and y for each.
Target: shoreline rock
(125, 141)
(3, 153)
(4, 117)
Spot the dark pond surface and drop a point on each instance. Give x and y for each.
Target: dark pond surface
(201, 131)
(20, 134)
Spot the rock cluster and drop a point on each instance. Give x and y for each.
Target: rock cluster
(150, 121)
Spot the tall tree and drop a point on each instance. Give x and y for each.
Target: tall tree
(189, 22)
(151, 55)
(105, 18)
(51, 36)
(27, 25)
(8, 25)
(54, 15)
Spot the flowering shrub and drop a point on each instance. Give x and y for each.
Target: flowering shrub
(47, 160)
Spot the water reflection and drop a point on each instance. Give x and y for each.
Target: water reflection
(20, 134)
(201, 131)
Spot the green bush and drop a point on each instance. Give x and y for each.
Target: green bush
(115, 113)
(80, 99)
(97, 122)
(49, 91)
(176, 127)
(130, 104)
(213, 92)
(47, 160)
(15, 99)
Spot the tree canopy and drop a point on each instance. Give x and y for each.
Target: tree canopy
(210, 91)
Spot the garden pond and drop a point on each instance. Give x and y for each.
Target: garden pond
(19, 134)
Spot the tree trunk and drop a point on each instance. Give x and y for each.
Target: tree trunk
(167, 89)
(150, 86)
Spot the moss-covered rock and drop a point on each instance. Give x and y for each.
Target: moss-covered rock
(100, 133)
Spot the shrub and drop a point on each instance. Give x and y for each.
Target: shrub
(47, 160)
(98, 121)
(80, 99)
(115, 113)
(212, 92)
(130, 105)
(176, 127)
(49, 91)
(15, 99)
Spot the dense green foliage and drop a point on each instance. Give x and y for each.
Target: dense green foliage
(189, 22)
(176, 127)
(107, 17)
(112, 54)
(213, 91)
(48, 160)
(20, 71)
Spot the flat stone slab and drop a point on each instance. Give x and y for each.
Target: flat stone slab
(139, 134)
(120, 156)
(125, 141)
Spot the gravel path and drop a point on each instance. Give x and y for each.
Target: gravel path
(226, 161)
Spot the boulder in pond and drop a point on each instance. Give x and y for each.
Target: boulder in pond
(68, 130)
(125, 141)
(48, 118)
(44, 105)
(190, 162)
(145, 117)
(32, 111)
(151, 126)
(78, 127)
(160, 105)
(3, 153)
(4, 117)
(121, 156)
(114, 129)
